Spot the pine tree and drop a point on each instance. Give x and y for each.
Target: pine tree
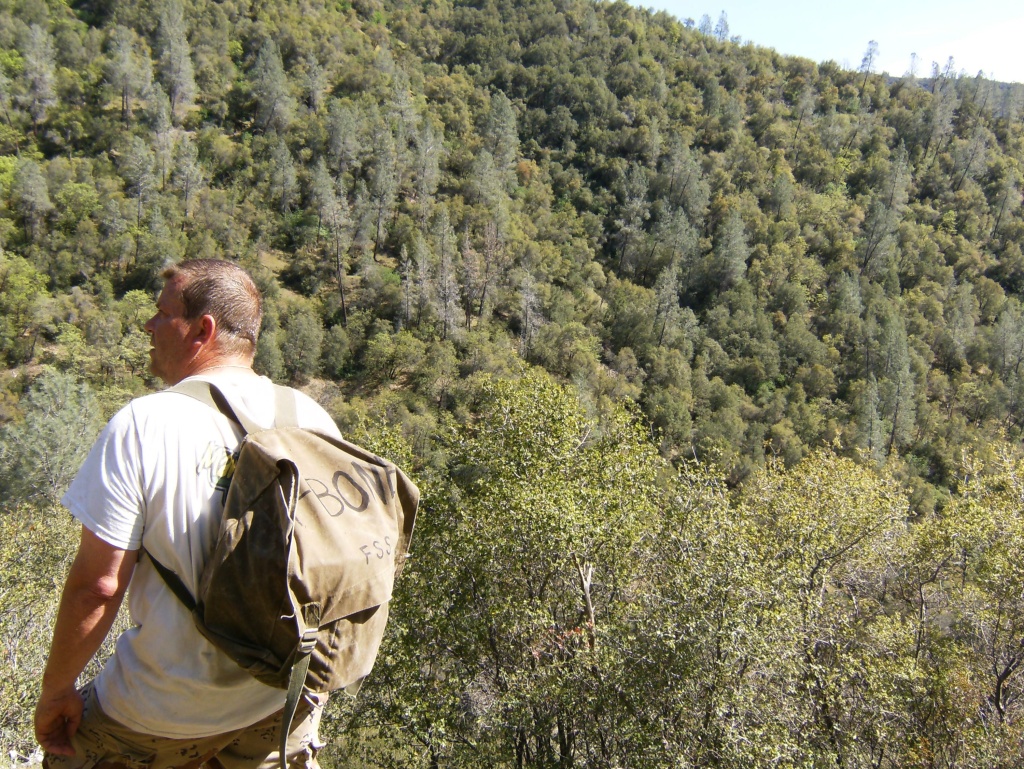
(667, 289)
(429, 150)
(884, 215)
(275, 107)
(425, 293)
(31, 196)
(334, 216)
(163, 136)
(634, 212)
(176, 69)
(473, 278)
(896, 387)
(129, 67)
(686, 185)
(731, 251)
(722, 28)
(383, 188)
(315, 85)
(38, 73)
(284, 180)
(188, 173)
(867, 64)
(136, 168)
(447, 284)
(501, 137)
(531, 314)
(342, 136)
(405, 271)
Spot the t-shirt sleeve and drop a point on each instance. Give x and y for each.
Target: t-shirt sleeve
(106, 495)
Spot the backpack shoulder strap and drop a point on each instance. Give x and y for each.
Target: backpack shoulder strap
(285, 405)
(210, 394)
(296, 685)
(173, 582)
(286, 408)
(285, 415)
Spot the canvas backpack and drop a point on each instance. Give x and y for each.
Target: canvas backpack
(314, 532)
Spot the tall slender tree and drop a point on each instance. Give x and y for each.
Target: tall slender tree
(176, 69)
(867, 64)
(275, 107)
(39, 74)
(129, 67)
(884, 215)
(188, 175)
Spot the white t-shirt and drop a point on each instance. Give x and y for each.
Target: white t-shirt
(156, 477)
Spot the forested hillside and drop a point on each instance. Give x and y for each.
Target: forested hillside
(710, 361)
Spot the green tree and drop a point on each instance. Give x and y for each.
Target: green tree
(302, 342)
(22, 286)
(136, 169)
(31, 196)
(684, 182)
(43, 451)
(501, 136)
(629, 225)
(40, 94)
(188, 176)
(389, 356)
(383, 188)
(129, 67)
(534, 603)
(896, 385)
(175, 65)
(721, 30)
(284, 179)
(884, 214)
(731, 251)
(275, 106)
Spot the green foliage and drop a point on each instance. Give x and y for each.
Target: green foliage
(531, 595)
(302, 337)
(518, 172)
(616, 613)
(21, 288)
(761, 256)
(43, 450)
(38, 544)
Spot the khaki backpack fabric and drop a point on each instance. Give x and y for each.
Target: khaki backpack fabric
(314, 532)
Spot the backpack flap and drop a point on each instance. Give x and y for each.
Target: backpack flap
(242, 594)
(348, 524)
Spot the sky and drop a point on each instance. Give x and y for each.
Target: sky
(979, 34)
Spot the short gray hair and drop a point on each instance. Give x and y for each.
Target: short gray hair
(228, 293)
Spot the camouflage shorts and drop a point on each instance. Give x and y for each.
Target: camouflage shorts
(102, 743)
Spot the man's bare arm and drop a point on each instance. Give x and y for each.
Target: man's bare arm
(92, 595)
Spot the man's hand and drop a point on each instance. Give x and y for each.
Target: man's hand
(57, 718)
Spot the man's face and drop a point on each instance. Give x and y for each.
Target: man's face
(171, 335)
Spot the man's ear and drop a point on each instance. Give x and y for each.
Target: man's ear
(206, 330)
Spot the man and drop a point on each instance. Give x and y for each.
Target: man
(156, 478)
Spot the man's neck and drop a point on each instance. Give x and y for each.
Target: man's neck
(237, 367)
(221, 363)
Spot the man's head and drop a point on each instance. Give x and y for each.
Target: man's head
(208, 314)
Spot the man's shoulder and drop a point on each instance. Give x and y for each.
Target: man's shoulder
(157, 411)
(256, 398)
(312, 415)
(163, 402)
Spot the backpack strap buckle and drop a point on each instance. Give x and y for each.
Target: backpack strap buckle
(308, 641)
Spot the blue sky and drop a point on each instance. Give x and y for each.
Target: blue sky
(980, 34)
